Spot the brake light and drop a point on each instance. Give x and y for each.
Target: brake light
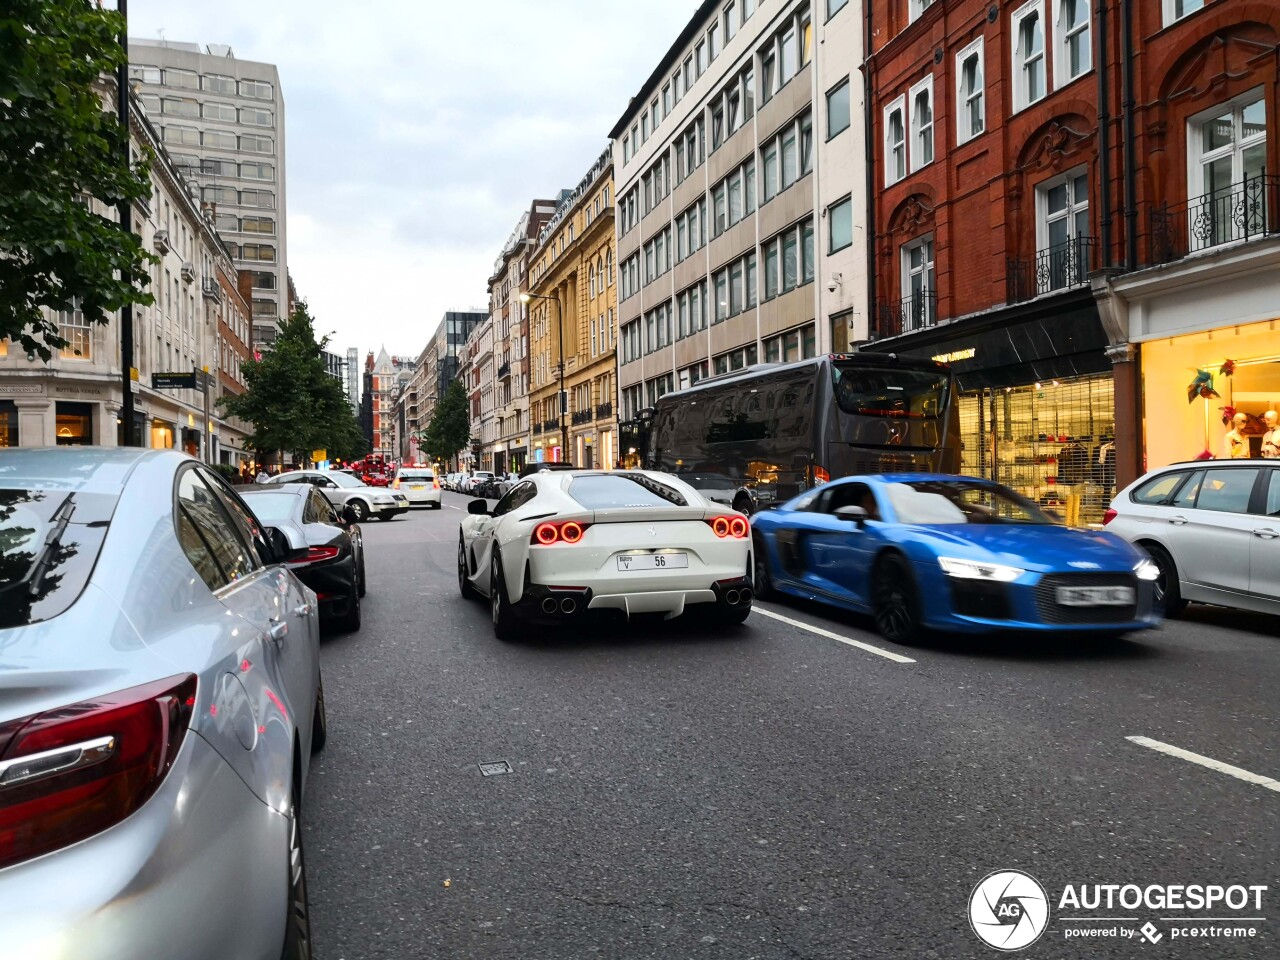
(436, 482)
(396, 485)
(1110, 515)
(314, 555)
(74, 771)
(820, 475)
(566, 531)
(735, 526)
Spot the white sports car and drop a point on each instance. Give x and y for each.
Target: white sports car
(561, 543)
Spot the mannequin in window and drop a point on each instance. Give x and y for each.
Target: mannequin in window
(1236, 445)
(1271, 439)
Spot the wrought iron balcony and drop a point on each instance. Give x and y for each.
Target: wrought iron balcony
(604, 411)
(1242, 211)
(582, 416)
(537, 428)
(209, 287)
(1060, 267)
(896, 317)
(549, 425)
(504, 371)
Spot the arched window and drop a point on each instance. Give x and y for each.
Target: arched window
(591, 275)
(608, 267)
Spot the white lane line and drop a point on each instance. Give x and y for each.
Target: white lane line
(887, 654)
(1239, 773)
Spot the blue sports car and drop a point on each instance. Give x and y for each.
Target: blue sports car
(927, 551)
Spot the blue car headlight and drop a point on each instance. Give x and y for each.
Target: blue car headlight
(1146, 570)
(976, 570)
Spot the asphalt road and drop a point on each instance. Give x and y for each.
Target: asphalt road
(767, 791)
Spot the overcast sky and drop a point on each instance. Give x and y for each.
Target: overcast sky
(419, 130)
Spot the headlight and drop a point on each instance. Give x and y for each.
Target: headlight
(974, 570)
(1147, 570)
(384, 500)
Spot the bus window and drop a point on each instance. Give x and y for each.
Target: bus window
(895, 394)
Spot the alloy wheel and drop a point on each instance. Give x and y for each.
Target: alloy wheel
(297, 942)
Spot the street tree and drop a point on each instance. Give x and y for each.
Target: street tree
(59, 146)
(291, 401)
(450, 429)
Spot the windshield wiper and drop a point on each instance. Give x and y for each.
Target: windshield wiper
(60, 518)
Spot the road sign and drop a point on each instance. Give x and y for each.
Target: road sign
(174, 381)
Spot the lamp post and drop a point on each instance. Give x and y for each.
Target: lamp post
(564, 399)
(128, 437)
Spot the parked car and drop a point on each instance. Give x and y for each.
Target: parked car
(327, 551)
(160, 699)
(475, 480)
(529, 469)
(563, 543)
(1211, 527)
(936, 551)
(420, 485)
(341, 490)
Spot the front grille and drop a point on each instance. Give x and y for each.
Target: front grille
(1046, 594)
(978, 598)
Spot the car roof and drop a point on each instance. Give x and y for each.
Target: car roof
(291, 489)
(78, 469)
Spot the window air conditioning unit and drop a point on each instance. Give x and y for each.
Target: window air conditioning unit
(161, 241)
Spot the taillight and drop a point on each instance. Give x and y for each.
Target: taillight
(1110, 515)
(820, 475)
(567, 531)
(314, 555)
(396, 485)
(74, 771)
(436, 482)
(736, 527)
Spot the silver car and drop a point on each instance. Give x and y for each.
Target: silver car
(160, 699)
(381, 503)
(1213, 529)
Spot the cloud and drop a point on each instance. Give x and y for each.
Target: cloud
(418, 132)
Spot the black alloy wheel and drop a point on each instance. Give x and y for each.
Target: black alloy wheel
(349, 622)
(762, 573)
(319, 720)
(1168, 599)
(896, 605)
(297, 934)
(464, 585)
(360, 509)
(505, 624)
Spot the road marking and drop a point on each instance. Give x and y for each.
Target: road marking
(887, 654)
(1239, 773)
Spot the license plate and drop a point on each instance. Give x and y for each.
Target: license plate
(653, 561)
(417, 486)
(1095, 596)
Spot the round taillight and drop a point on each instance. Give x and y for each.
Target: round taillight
(546, 534)
(738, 526)
(720, 525)
(571, 532)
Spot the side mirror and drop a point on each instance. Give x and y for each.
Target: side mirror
(855, 514)
(279, 544)
(349, 514)
(479, 507)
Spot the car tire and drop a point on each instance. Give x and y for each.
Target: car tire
(895, 601)
(319, 720)
(464, 585)
(1168, 595)
(361, 510)
(349, 622)
(762, 572)
(743, 504)
(506, 624)
(361, 579)
(297, 932)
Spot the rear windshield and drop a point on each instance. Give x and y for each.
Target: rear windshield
(893, 393)
(619, 491)
(416, 475)
(272, 506)
(49, 542)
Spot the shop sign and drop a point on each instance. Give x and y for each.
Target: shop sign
(23, 390)
(954, 355)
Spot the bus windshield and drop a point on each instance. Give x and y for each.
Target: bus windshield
(896, 394)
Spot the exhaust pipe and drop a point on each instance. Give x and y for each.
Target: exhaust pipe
(568, 605)
(745, 595)
(549, 605)
(731, 597)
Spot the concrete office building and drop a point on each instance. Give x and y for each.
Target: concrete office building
(734, 246)
(222, 121)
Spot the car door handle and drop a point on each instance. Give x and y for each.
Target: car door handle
(278, 630)
(1178, 520)
(303, 610)
(1266, 533)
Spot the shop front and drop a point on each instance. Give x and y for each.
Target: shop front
(8, 423)
(1036, 397)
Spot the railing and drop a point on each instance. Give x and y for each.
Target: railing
(1239, 212)
(1064, 265)
(504, 371)
(896, 317)
(550, 425)
(582, 416)
(537, 428)
(209, 286)
(604, 411)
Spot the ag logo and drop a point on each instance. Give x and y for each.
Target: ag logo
(1009, 910)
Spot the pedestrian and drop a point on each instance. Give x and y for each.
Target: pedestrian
(263, 476)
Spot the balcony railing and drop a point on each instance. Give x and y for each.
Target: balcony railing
(537, 428)
(504, 371)
(896, 317)
(1243, 211)
(1060, 267)
(550, 425)
(582, 416)
(604, 411)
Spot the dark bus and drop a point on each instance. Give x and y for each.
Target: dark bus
(773, 430)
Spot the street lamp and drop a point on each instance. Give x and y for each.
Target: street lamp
(564, 427)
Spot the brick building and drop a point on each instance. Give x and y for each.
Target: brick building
(1022, 152)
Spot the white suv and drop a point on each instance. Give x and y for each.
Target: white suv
(1212, 527)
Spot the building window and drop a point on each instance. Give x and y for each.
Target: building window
(251, 144)
(834, 7)
(214, 110)
(713, 41)
(145, 73)
(1028, 55)
(1177, 9)
(895, 141)
(917, 7)
(219, 139)
(838, 109)
(180, 107)
(1075, 54)
(187, 79)
(1227, 152)
(840, 219)
(1062, 231)
(74, 423)
(173, 133)
(262, 225)
(256, 89)
(255, 116)
(922, 123)
(691, 310)
(215, 83)
(788, 259)
(730, 23)
(788, 156)
(918, 292)
(969, 93)
(786, 53)
(78, 333)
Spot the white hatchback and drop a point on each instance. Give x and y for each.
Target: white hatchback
(1213, 529)
(420, 486)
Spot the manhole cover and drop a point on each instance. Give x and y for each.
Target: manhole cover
(495, 768)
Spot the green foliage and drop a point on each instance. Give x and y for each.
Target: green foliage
(292, 402)
(58, 144)
(450, 428)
